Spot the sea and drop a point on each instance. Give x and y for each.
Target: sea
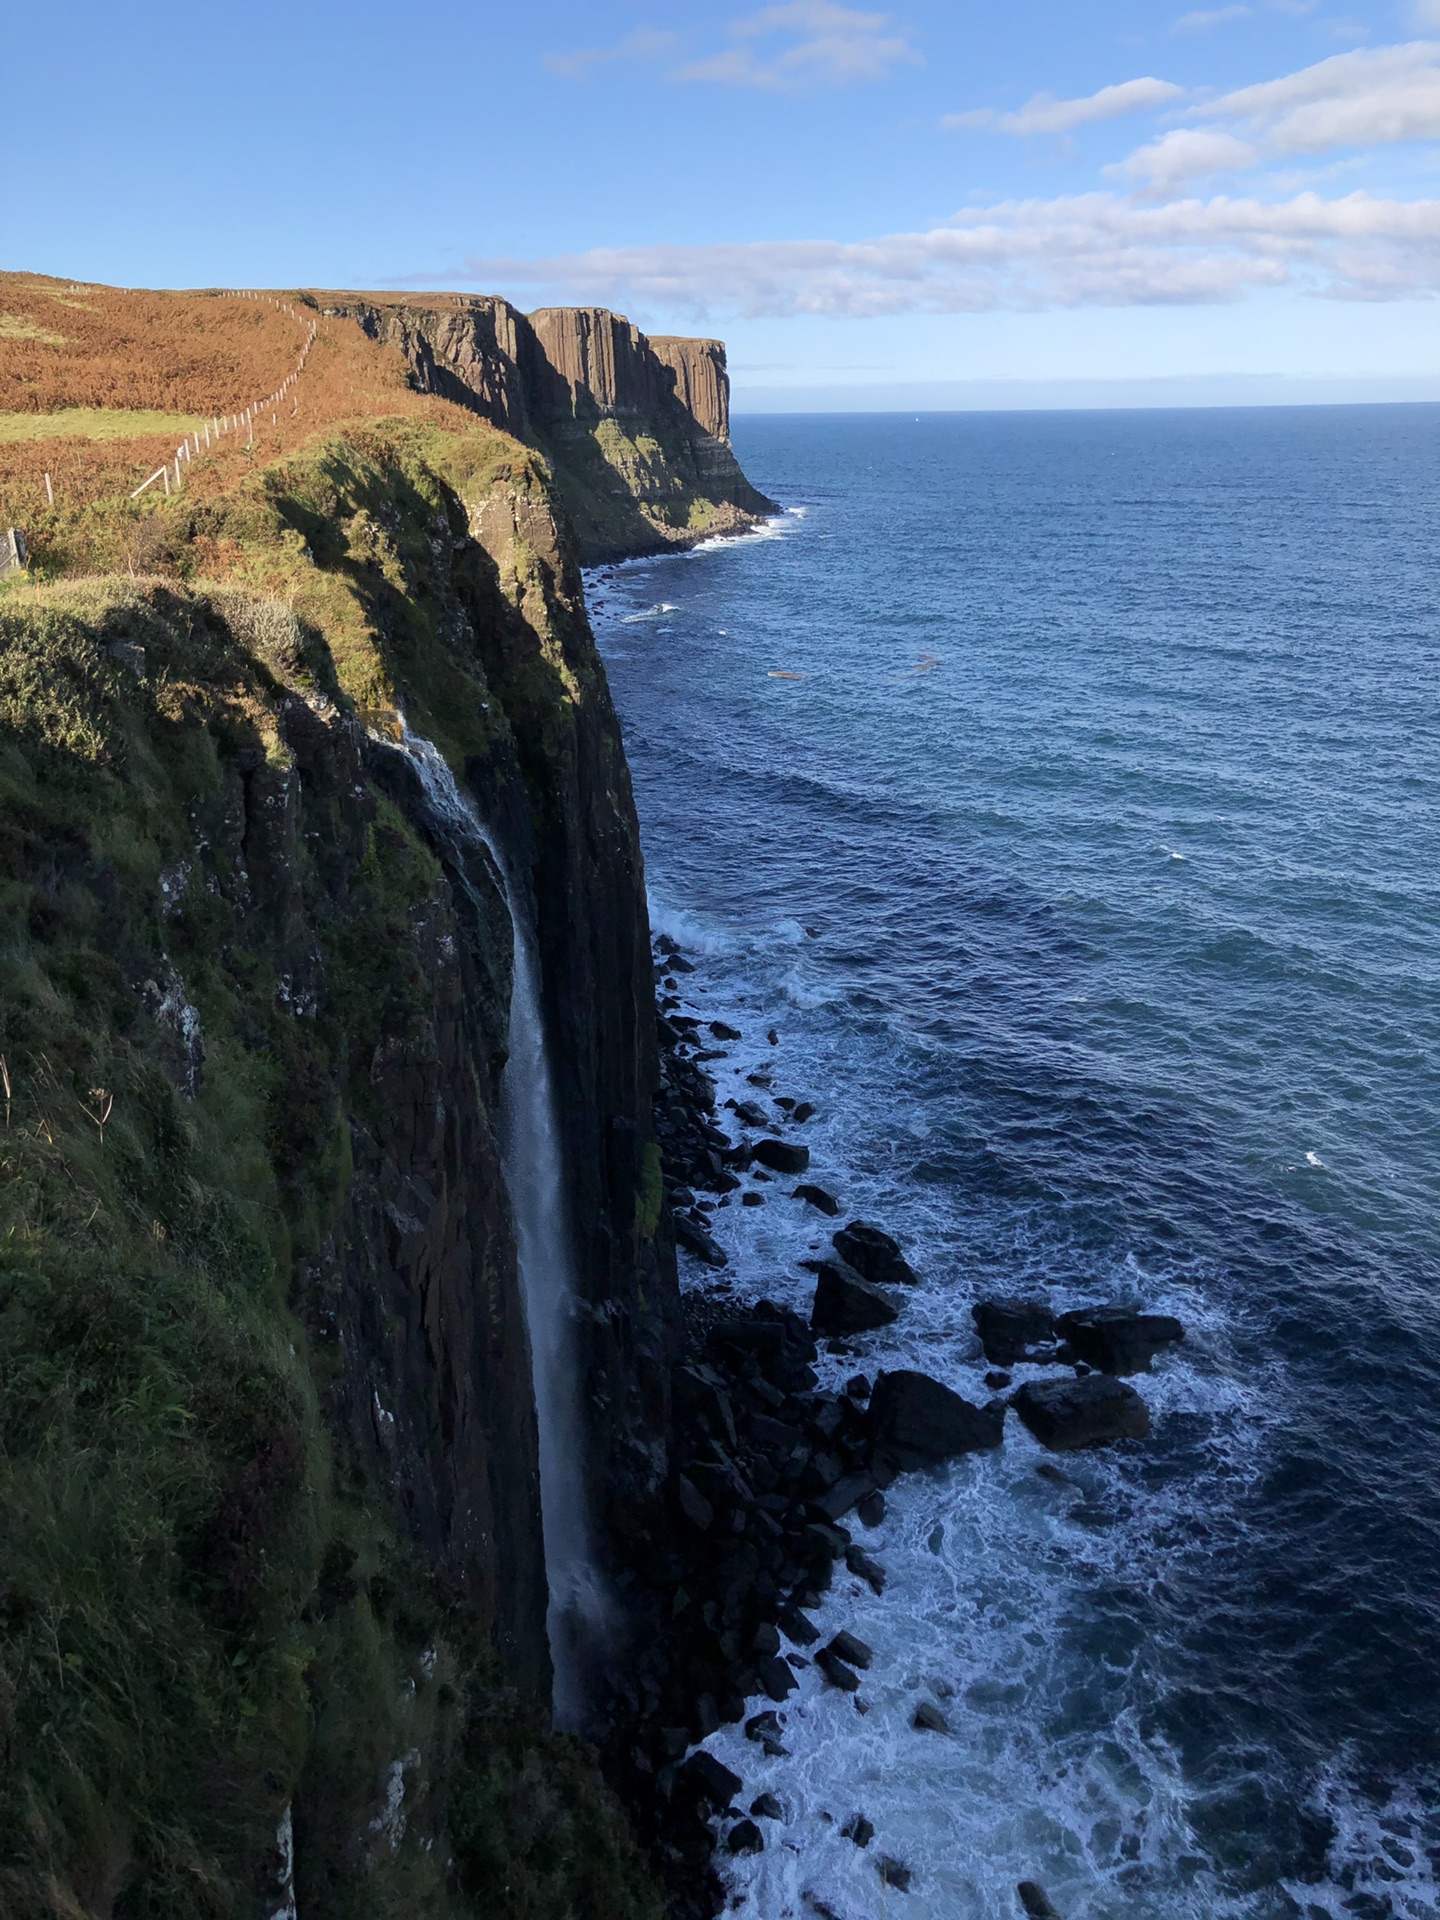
(1063, 791)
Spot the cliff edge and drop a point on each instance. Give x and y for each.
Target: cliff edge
(273, 1594)
(637, 430)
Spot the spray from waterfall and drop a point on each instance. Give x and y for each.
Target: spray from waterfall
(533, 1163)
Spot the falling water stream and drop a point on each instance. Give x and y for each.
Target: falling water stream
(533, 1164)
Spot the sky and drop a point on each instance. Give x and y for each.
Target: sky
(1039, 202)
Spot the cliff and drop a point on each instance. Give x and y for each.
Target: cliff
(272, 1607)
(637, 430)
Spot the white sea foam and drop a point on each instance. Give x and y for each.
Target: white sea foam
(1389, 1852)
(774, 527)
(692, 932)
(1024, 1606)
(647, 614)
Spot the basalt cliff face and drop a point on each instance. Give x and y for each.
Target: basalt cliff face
(273, 1588)
(637, 430)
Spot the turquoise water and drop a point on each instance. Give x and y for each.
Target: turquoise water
(1087, 869)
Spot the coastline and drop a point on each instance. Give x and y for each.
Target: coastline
(789, 1432)
(994, 937)
(1012, 963)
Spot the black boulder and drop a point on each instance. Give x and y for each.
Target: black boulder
(844, 1303)
(918, 1421)
(695, 1240)
(874, 1255)
(1012, 1330)
(1118, 1340)
(1067, 1415)
(745, 1837)
(708, 1779)
(819, 1197)
(782, 1156)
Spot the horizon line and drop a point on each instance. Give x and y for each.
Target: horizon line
(1163, 393)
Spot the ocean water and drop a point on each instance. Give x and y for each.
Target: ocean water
(1064, 790)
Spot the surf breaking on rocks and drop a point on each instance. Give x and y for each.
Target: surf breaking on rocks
(786, 1463)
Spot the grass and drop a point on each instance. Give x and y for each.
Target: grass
(159, 1427)
(98, 423)
(13, 327)
(146, 367)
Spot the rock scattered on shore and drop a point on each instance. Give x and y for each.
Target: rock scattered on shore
(1014, 1330)
(844, 1303)
(1067, 1415)
(745, 1837)
(817, 1197)
(836, 1673)
(1117, 1339)
(1111, 1339)
(782, 1156)
(766, 1468)
(845, 1646)
(917, 1421)
(1036, 1902)
(694, 1238)
(874, 1255)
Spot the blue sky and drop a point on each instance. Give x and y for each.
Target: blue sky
(1034, 200)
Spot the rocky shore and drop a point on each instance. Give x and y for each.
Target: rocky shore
(776, 1479)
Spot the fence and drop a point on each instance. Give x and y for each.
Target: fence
(221, 424)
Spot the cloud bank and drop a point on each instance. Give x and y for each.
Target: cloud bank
(1095, 249)
(1374, 97)
(1160, 243)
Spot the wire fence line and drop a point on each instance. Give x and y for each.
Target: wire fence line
(239, 422)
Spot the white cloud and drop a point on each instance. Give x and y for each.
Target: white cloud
(1425, 13)
(1095, 249)
(1368, 98)
(1090, 249)
(645, 43)
(1043, 114)
(828, 46)
(1185, 154)
(1206, 17)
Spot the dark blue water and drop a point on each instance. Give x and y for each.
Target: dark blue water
(1086, 861)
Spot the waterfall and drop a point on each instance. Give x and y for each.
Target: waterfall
(533, 1163)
